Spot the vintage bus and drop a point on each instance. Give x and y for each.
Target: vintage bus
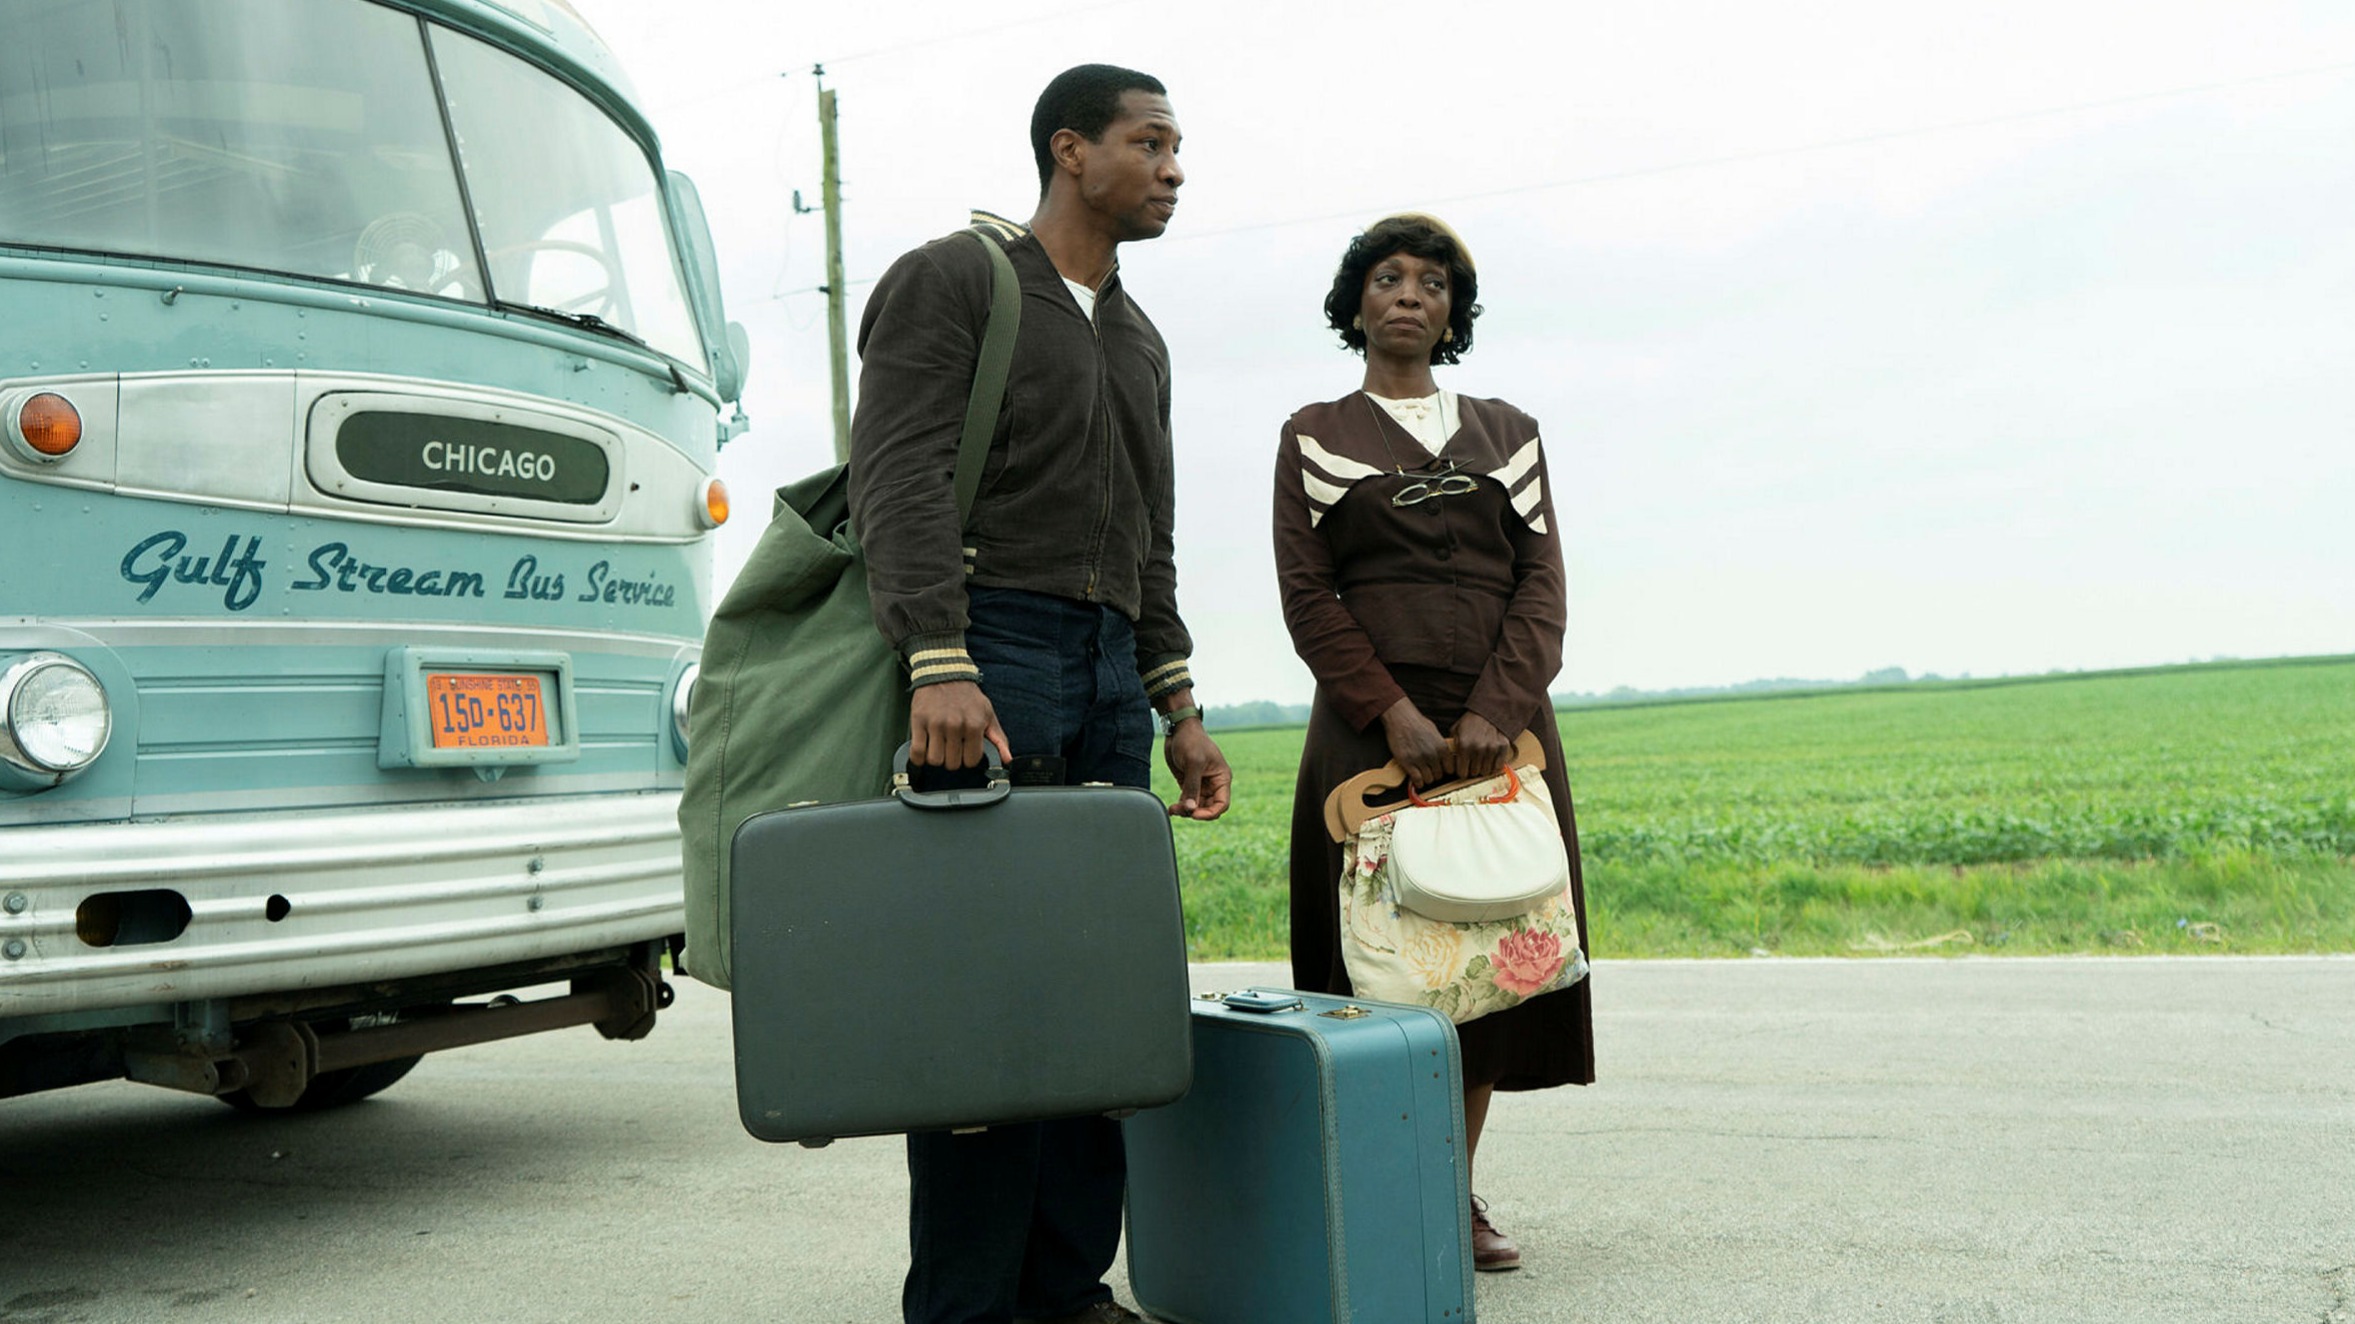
(362, 379)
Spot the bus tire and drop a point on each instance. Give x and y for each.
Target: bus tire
(331, 1089)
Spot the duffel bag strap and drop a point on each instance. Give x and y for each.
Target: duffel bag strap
(990, 374)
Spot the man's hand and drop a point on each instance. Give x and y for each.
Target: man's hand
(1416, 744)
(1480, 749)
(1205, 782)
(947, 724)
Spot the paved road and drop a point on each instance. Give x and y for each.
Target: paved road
(1959, 1141)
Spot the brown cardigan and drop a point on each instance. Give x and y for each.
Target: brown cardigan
(1467, 583)
(1076, 499)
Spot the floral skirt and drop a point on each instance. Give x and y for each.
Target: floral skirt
(1546, 1041)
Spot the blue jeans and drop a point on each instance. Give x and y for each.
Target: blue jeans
(1025, 1220)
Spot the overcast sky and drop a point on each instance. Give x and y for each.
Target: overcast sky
(1989, 337)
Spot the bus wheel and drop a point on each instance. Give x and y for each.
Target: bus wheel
(332, 1089)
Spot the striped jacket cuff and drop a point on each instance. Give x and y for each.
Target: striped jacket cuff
(1165, 675)
(935, 658)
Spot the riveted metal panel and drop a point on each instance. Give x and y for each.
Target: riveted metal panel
(218, 436)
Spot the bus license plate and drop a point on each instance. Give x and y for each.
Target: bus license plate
(486, 711)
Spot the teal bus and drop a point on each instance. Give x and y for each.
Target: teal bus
(363, 374)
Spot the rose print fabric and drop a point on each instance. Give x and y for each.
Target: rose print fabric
(1463, 970)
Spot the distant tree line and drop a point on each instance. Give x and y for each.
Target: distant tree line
(1261, 712)
(1258, 712)
(1629, 694)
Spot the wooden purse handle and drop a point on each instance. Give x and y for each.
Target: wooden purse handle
(1346, 809)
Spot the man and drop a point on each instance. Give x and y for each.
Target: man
(1044, 628)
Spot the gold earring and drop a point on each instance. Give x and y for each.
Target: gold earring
(1448, 334)
(1357, 323)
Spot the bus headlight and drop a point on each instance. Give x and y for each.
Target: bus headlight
(714, 510)
(682, 695)
(54, 719)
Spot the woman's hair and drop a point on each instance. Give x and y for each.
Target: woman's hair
(1420, 236)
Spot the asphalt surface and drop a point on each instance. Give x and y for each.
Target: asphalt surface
(1888, 1140)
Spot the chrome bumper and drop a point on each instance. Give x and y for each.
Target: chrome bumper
(279, 902)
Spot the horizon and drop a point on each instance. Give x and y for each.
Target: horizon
(1773, 687)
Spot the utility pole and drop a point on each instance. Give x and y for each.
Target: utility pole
(837, 332)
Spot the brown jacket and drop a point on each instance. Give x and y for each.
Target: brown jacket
(1076, 499)
(1468, 583)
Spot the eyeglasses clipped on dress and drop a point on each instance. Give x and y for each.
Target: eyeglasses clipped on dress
(1448, 482)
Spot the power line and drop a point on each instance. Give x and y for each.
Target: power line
(1769, 153)
(820, 289)
(1737, 158)
(726, 89)
(1009, 26)
(714, 93)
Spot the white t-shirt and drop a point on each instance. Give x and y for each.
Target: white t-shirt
(1086, 297)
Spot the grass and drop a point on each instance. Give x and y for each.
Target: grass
(2196, 808)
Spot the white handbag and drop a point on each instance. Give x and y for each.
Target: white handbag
(1494, 858)
(1463, 968)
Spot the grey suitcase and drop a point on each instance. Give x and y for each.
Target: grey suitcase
(957, 958)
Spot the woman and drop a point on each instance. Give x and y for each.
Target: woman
(1421, 569)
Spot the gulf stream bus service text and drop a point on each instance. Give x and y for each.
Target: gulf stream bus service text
(238, 571)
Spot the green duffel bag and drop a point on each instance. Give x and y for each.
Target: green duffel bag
(799, 698)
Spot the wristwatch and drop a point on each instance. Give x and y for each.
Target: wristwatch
(1170, 719)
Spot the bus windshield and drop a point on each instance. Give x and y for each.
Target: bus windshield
(307, 137)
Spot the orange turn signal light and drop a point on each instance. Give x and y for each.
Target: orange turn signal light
(715, 504)
(49, 424)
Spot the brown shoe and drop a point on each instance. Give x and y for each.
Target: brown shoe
(1103, 1312)
(1492, 1250)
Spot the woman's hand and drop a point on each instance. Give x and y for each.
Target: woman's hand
(1415, 743)
(1480, 750)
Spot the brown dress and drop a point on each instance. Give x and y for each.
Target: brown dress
(1455, 601)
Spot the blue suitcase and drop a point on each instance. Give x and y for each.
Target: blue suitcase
(1315, 1172)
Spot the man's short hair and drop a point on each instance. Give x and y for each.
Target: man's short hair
(1084, 100)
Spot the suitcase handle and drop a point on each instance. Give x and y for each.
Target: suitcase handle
(1263, 1001)
(950, 797)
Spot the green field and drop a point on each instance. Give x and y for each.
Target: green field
(2196, 808)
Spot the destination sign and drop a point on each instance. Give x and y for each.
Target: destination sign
(472, 455)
